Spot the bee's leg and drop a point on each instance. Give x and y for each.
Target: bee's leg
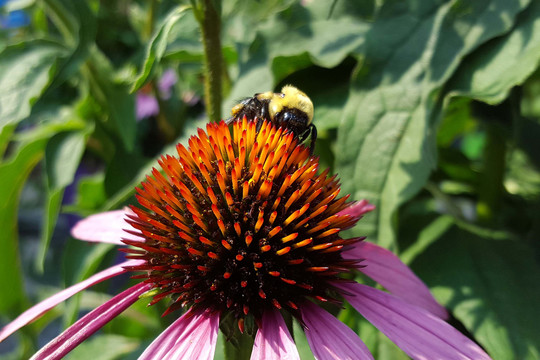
(313, 131)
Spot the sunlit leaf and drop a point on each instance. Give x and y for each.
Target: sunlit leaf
(157, 46)
(25, 71)
(386, 141)
(117, 347)
(489, 282)
(62, 156)
(14, 173)
(512, 57)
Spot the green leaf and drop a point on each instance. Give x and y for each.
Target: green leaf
(530, 102)
(62, 156)
(82, 28)
(5, 137)
(113, 96)
(25, 71)
(116, 346)
(90, 195)
(327, 42)
(277, 52)
(491, 71)
(490, 283)
(386, 142)
(80, 261)
(14, 173)
(301, 342)
(157, 45)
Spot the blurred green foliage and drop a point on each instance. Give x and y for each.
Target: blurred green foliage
(429, 109)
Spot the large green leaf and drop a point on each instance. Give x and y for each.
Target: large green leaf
(14, 173)
(276, 51)
(113, 95)
(158, 44)
(25, 71)
(386, 141)
(62, 156)
(490, 283)
(117, 347)
(327, 41)
(78, 24)
(512, 57)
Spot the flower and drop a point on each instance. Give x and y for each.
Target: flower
(12, 19)
(242, 225)
(146, 104)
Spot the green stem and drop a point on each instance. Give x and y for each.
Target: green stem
(150, 22)
(210, 23)
(61, 18)
(165, 128)
(240, 352)
(491, 187)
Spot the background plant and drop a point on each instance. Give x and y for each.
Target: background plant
(429, 109)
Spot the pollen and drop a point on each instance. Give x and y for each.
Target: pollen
(239, 222)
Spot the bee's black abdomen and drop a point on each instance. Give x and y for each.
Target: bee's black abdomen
(291, 109)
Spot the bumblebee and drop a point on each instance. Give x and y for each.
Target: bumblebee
(291, 109)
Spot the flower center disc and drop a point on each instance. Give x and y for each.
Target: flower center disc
(241, 222)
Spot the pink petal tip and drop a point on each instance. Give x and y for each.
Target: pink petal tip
(387, 269)
(273, 340)
(106, 227)
(416, 331)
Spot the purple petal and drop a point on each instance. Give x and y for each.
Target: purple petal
(329, 338)
(388, 270)
(273, 340)
(416, 331)
(358, 208)
(146, 106)
(166, 341)
(38, 310)
(106, 227)
(167, 81)
(90, 323)
(195, 337)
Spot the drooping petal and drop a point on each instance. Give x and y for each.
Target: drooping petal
(197, 338)
(387, 269)
(416, 331)
(273, 340)
(106, 227)
(166, 341)
(38, 310)
(358, 208)
(90, 323)
(329, 338)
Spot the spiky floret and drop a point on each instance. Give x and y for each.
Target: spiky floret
(241, 223)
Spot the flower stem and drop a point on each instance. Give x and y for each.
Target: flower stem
(240, 352)
(149, 30)
(491, 183)
(496, 120)
(208, 16)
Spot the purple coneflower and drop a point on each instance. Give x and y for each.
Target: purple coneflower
(242, 226)
(146, 103)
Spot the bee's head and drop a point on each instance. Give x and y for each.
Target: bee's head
(289, 99)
